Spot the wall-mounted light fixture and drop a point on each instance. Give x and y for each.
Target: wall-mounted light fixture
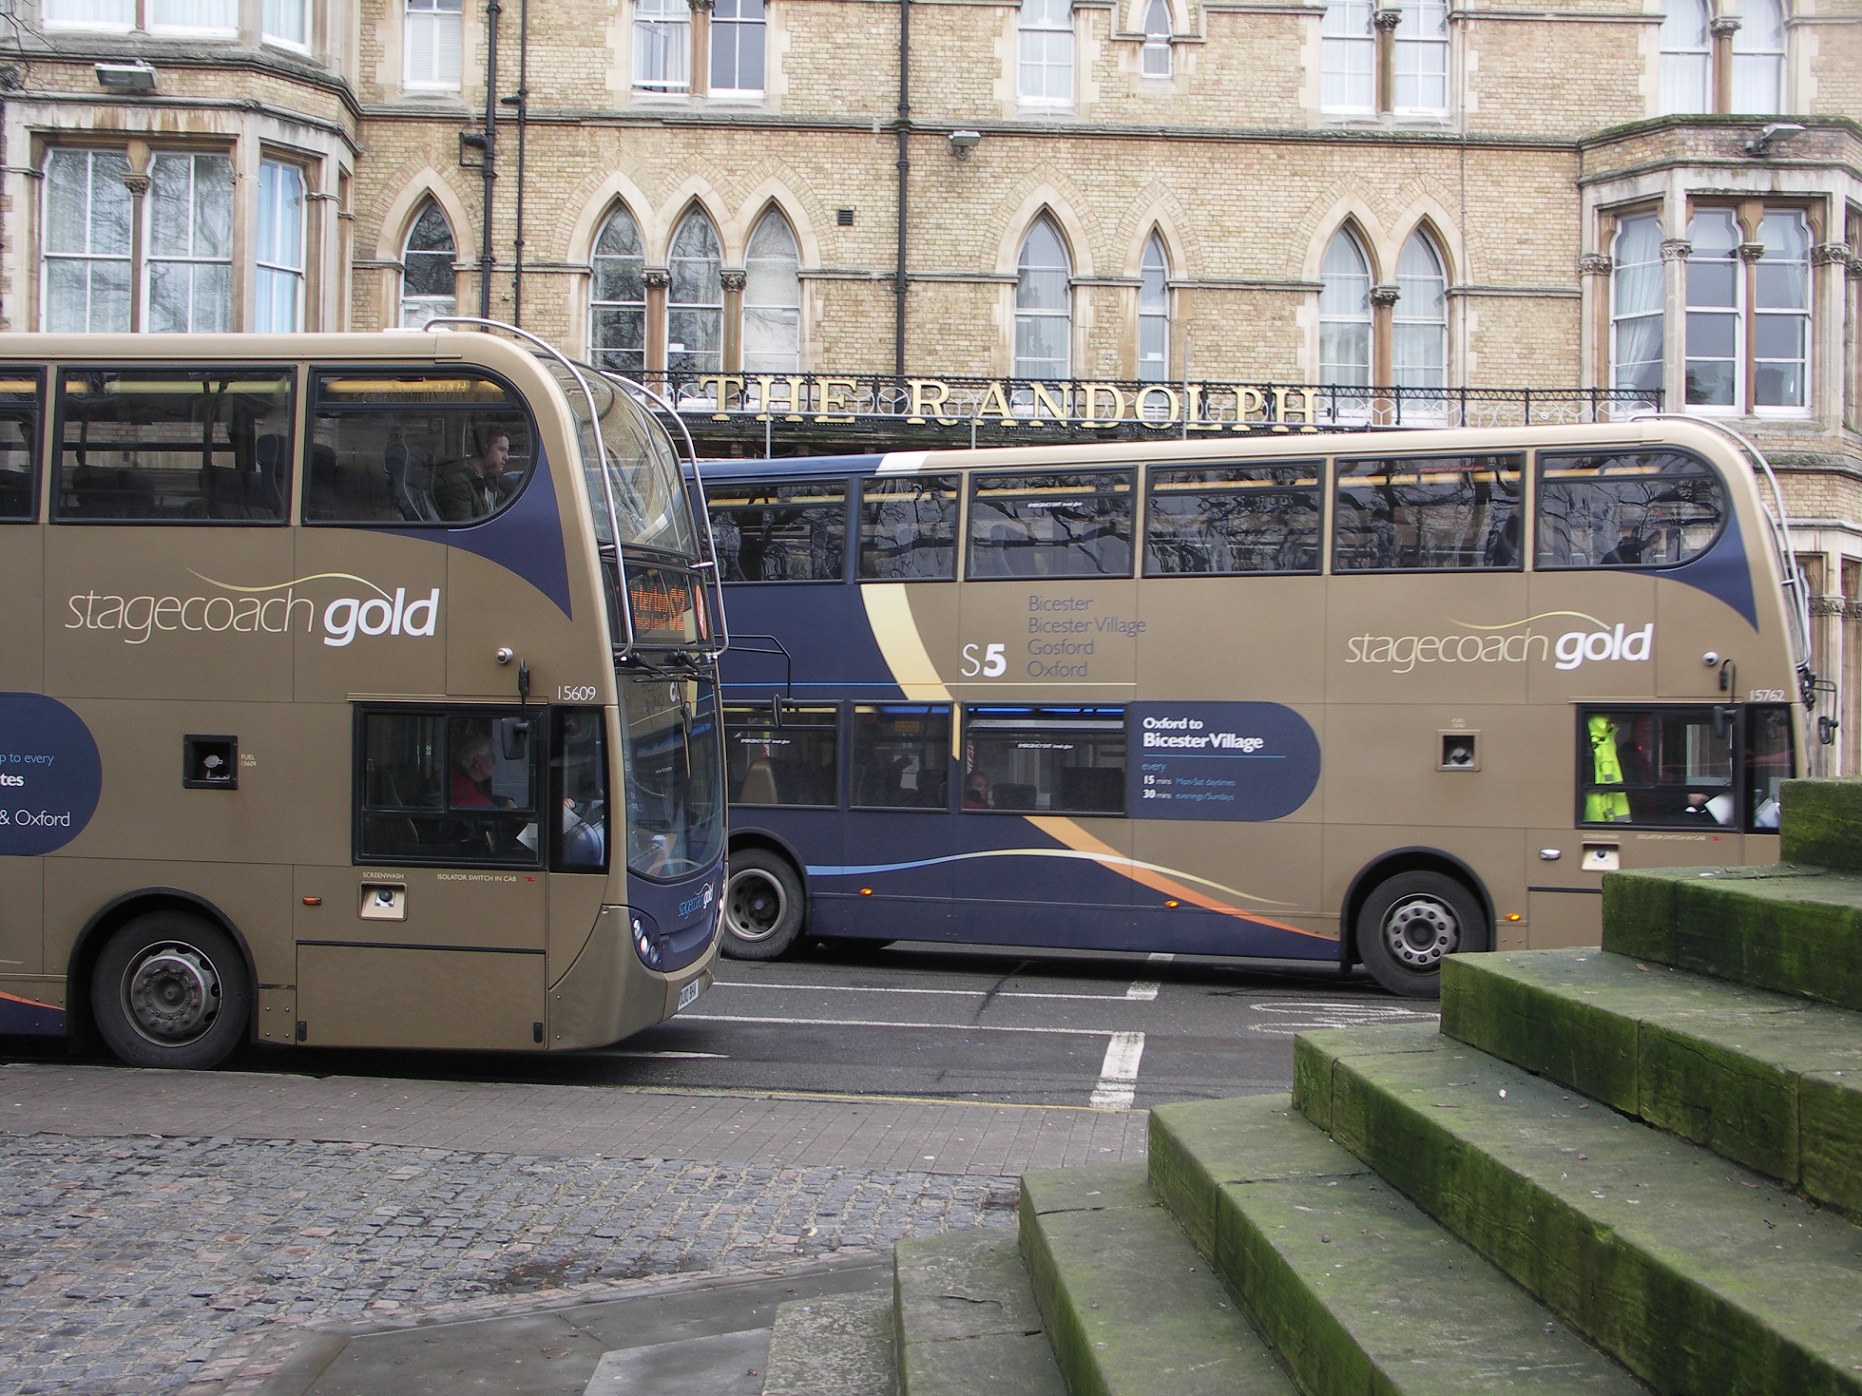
(963, 142)
(1760, 145)
(125, 77)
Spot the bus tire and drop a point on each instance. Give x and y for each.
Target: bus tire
(1409, 923)
(170, 990)
(763, 901)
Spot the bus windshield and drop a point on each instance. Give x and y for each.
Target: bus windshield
(675, 810)
(643, 471)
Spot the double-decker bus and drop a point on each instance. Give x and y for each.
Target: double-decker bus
(355, 690)
(1372, 697)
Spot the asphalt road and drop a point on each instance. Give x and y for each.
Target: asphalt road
(914, 1020)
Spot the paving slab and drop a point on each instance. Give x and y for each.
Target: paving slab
(837, 1345)
(967, 1319)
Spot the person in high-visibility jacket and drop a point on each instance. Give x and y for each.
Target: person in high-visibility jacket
(1605, 806)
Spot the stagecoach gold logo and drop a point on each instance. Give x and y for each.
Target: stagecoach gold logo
(1516, 642)
(251, 610)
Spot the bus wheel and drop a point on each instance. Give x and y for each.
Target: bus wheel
(762, 906)
(1409, 923)
(170, 990)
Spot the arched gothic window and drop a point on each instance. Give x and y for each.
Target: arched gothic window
(1345, 313)
(1154, 313)
(1419, 326)
(772, 312)
(1156, 53)
(1758, 58)
(695, 299)
(427, 286)
(1044, 305)
(1687, 58)
(618, 297)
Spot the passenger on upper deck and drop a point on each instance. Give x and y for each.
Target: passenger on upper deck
(475, 487)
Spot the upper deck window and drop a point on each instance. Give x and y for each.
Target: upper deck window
(1626, 509)
(644, 486)
(908, 529)
(1077, 524)
(1428, 514)
(174, 445)
(19, 445)
(414, 447)
(1219, 520)
(794, 532)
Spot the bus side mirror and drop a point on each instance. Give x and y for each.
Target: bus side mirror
(1723, 719)
(1826, 730)
(515, 739)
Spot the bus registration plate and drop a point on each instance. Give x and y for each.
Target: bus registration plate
(689, 994)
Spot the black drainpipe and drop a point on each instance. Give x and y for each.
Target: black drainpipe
(905, 168)
(485, 260)
(522, 102)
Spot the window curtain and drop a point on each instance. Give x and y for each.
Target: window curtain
(1636, 306)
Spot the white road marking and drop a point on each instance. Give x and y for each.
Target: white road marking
(676, 1056)
(1292, 1016)
(881, 1023)
(1118, 1077)
(1145, 989)
(1163, 957)
(944, 993)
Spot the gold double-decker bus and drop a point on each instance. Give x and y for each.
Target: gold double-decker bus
(1359, 698)
(355, 690)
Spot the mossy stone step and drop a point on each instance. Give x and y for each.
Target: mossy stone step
(1697, 1275)
(1131, 1306)
(1794, 930)
(1771, 1082)
(1822, 823)
(966, 1318)
(832, 1345)
(1353, 1286)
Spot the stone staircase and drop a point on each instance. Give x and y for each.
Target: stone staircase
(1618, 1170)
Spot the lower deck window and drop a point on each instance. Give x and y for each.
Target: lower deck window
(1674, 768)
(783, 756)
(1045, 760)
(901, 756)
(455, 787)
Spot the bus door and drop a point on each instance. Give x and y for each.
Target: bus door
(447, 890)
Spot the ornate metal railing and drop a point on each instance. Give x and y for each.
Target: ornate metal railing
(944, 410)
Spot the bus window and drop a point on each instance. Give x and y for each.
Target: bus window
(579, 788)
(1045, 760)
(436, 447)
(1655, 767)
(780, 533)
(1769, 762)
(453, 787)
(796, 763)
(1626, 509)
(1227, 519)
(19, 446)
(901, 757)
(675, 813)
(1434, 514)
(1074, 525)
(174, 445)
(908, 529)
(643, 473)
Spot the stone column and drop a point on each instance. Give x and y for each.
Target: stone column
(657, 280)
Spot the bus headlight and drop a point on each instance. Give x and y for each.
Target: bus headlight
(647, 940)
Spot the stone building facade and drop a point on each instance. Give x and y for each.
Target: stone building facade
(1395, 201)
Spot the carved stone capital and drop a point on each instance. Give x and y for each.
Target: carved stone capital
(1829, 254)
(1750, 251)
(659, 277)
(1828, 606)
(137, 183)
(1676, 250)
(1386, 19)
(1852, 610)
(1596, 264)
(733, 280)
(1384, 295)
(698, 5)
(1725, 26)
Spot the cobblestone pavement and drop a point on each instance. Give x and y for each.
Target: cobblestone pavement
(160, 1264)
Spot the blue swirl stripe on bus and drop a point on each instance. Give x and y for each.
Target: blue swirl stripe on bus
(1724, 572)
(525, 538)
(24, 1018)
(51, 775)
